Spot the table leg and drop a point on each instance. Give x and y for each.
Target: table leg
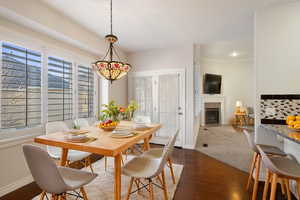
(118, 177)
(63, 158)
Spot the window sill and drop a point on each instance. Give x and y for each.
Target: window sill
(17, 137)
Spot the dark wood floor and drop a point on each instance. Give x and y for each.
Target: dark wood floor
(203, 178)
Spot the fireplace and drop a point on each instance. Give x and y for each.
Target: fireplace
(212, 113)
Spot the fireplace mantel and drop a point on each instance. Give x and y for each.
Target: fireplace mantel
(212, 99)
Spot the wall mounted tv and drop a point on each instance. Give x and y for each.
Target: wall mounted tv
(212, 84)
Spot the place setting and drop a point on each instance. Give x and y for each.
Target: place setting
(78, 136)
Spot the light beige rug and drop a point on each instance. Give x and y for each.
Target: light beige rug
(102, 188)
(226, 145)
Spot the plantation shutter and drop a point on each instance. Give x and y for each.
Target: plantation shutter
(59, 90)
(20, 87)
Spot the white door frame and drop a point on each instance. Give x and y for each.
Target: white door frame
(155, 74)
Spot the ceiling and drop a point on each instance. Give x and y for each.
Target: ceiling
(223, 51)
(149, 24)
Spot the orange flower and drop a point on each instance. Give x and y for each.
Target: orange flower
(122, 109)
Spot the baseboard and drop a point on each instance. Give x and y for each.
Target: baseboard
(188, 146)
(15, 185)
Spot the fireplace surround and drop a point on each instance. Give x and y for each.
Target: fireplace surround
(213, 104)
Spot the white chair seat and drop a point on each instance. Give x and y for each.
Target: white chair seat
(154, 153)
(140, 167)
(73, 155)
(75, 178)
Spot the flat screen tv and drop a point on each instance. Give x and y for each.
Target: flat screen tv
(212, 84)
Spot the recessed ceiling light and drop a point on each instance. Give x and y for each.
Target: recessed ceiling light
(234, 54)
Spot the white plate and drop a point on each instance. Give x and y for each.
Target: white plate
(121, 132)
(122, 136)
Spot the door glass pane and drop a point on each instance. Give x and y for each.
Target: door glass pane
(142, 93)
(168, 104)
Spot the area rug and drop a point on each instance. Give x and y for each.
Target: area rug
(102, 188)
(225, 144)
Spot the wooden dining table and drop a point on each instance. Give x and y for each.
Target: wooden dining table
(102, 143)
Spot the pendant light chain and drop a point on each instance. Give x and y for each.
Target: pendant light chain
(111, 67)
(111, 26)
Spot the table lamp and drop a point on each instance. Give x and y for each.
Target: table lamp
(238, 106)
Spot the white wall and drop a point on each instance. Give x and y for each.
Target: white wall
(118, 91)
(277, 47)
(237, 82)
(175, 57)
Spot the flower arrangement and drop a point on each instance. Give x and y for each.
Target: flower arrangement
(128, 113)
(116, 113)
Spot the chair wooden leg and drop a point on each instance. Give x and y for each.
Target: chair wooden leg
(129, 189)
(287, 186)
(274, 187)
(68, 163)
(159, 179)
(251, 170)
(89, 163)
(171, 170)
(126, 154)
(164, 185)
(62, 197)
(151, 194)
(257, 170)
(122, 159)
(43, 194)
(105, 163)
(267, 183)
(137, 183)
(298, 188)
(282, 186)
(82, 190)
(54, 197)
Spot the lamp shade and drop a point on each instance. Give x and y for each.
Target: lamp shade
(238, 104)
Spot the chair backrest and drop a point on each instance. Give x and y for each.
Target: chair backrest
(44, 170)
(142, 119)
(168, 149)
(251, 142)
(250, 110)
(82, 123)
(53, 127)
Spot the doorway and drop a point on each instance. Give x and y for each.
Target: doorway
(161, 96)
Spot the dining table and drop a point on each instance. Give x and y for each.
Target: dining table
(102, 143)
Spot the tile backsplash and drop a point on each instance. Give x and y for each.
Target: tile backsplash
(275, 108)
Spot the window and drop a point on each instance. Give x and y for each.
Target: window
(20, 87)
(59, 90)
(85, 91)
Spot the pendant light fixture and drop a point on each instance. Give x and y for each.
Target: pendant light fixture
(110, 66)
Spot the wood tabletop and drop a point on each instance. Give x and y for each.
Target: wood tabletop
(103, 144)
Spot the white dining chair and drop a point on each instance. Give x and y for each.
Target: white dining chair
(156, 153)
(81, 123)
(146, 168)
(140, 119)
(73, 155)
(56, 180)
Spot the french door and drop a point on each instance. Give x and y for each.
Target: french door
(161, 96)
